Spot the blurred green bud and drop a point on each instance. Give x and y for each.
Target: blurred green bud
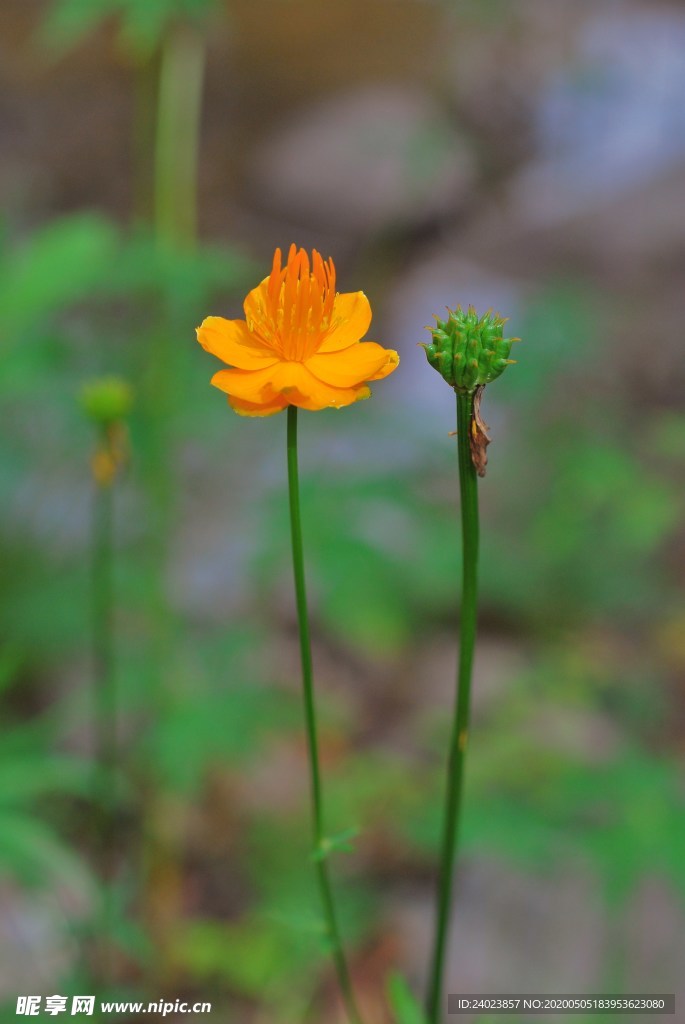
(469, 351)
(106, 400)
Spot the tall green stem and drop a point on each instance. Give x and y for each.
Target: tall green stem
(104, 707)
(178, 131)
(310, 722)
(179, 111)
(468, 485)
(105, 702)
(143, 128)
(181, 66)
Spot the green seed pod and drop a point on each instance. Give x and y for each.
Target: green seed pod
(106, 400)
(469, 351)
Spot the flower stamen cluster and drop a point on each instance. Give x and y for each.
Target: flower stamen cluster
(299, 343)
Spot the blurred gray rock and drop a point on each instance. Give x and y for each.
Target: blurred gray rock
(511, 932)
(516, 932)
(365, 160)
(607, 178)
(34, 953)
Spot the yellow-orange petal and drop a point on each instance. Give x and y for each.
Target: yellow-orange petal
(350, 321)
(232, 342)
(249, 385)
(345, 396)
(302, 388)
(258, 306)
(353, 365)
(393, 361)
(244, 408)
(291, 380)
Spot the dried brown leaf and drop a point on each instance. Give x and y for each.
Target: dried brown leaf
(479, 439)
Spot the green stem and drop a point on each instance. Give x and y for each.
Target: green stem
(104, 708)
(468, 485)
(145, 86)
(178, 132)
(179, 112)
(181, 66)
(103, 653)
(310, 721)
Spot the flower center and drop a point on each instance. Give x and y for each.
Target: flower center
(297, 312)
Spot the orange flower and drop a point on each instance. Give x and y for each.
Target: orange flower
(299, 343)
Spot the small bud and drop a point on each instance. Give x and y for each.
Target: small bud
(467, 350)
(106, 400)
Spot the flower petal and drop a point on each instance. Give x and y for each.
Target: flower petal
(233, 343)
(257, 306)
(250, 385)
(393, 361)
(346, 396)
(349, 322)
(353, 365)
(269, 408)
(291, 381)
(296, 383)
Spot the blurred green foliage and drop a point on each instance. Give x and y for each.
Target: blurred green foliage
(403, 1003)
(34, 778)
(141, 25)
(574, 520)
(379, 553)
(224, 717)
(57, 266)
(581, 514)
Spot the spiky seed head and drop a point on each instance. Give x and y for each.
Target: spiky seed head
(467, 350)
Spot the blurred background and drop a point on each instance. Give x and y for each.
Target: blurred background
(528, 157)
